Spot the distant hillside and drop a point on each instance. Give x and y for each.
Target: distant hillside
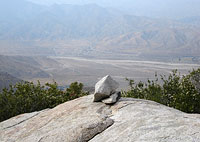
(194, 20)
(7, 79)
(64, 21)
(151, 8)
(59, 22)
(90, 30)
(164, 42)
(21, 67)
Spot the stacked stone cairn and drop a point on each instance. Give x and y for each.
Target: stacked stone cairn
(105, 91)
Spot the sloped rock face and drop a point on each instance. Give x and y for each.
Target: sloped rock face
(82, 120)
(75, 121)
(147, 121)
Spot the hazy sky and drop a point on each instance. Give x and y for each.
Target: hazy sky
(139, 3)
(151, 8)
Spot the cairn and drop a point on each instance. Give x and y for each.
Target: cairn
(105, 91)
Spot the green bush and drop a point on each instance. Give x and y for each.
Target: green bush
(182, 93)
(28, 97)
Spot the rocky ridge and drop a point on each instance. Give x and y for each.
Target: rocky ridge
(81, 120)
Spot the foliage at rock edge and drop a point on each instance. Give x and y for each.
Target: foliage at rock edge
(179, 92)
(27, 97)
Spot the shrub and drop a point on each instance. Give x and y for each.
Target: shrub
(174, 91)
(28, 97)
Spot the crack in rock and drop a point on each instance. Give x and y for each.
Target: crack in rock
(95, 129)
(21, 121)
(125, 105)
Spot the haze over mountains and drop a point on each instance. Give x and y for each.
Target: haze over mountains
(90, 30)
(150, 8)
(48, 31)
(22, 67)
(7, 79)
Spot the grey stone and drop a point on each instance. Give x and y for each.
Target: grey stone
(112, 99)
(104, 88)
(74, 121)
(81, 120)
(146, 121)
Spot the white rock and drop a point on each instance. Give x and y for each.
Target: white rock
(146, 121)
(74, 121)
(112, 99)
(104, 88)
(81, 120)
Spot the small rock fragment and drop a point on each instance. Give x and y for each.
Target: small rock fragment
(112, 99)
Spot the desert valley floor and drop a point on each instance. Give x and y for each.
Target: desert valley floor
(65, 70)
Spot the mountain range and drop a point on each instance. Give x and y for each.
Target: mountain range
(175, 9)
(7, 79)
(21, 67)
(90, 30)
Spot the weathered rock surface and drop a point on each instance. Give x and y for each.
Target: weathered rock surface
(128, 120)
(112, 99)
(74, 121)
(104, 88)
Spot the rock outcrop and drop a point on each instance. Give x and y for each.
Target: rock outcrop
(81, 120)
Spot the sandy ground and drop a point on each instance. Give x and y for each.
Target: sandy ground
(89, 71)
